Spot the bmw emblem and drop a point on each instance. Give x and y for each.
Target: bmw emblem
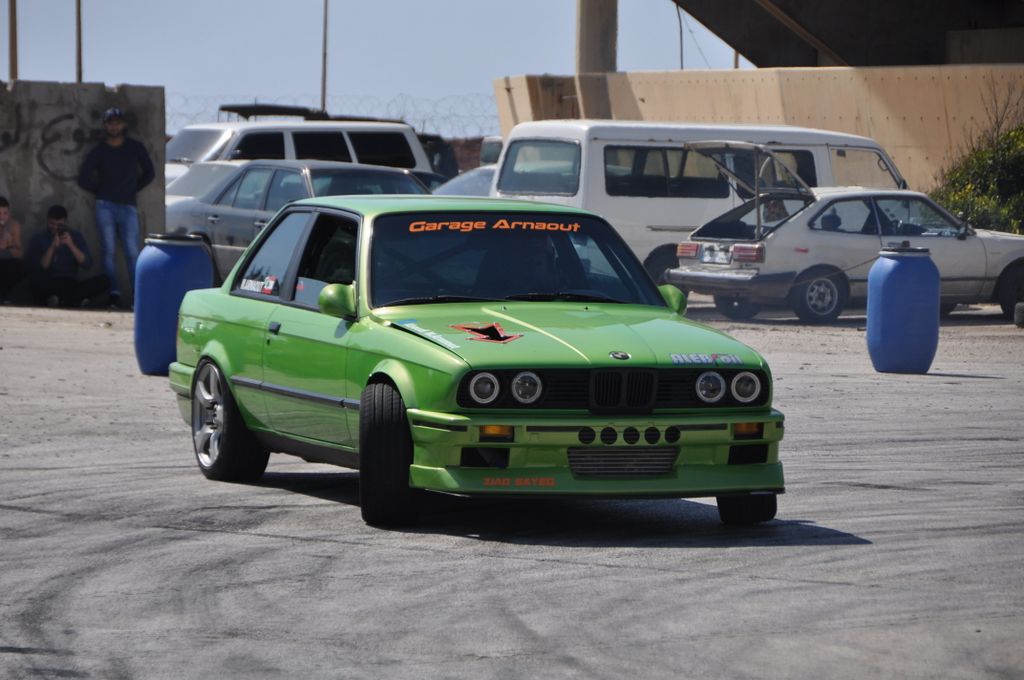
(621, 356)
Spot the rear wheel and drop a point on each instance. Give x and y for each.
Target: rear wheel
(818, 296)
(739, 510)
(225, 448)
(385, 454)
(738, 309)
(1011, 289)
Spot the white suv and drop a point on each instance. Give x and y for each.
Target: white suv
(391, 144)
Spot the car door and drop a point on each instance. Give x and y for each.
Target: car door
(285, 186)
(843, 235)
(305, 358)
(257, 289)
(232, 218)
(959, 256)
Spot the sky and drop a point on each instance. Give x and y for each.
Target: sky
(432, 63)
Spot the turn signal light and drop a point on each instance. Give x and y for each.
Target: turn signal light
(747, 252)
(497, 433)
(687, 249)
(748, 430)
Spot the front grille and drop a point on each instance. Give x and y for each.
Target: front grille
(622, 462)
(603, 390)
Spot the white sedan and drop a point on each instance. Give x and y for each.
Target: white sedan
(812, 249)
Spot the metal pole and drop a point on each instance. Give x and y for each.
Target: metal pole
(323, 66)
(78, 41)
(12, 8)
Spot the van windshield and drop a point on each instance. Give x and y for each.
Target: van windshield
(189, 146)
(541, 167)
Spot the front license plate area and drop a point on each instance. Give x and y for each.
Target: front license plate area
(712, 255)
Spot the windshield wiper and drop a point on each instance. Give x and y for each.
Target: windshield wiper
(574, 297)
(428, 299)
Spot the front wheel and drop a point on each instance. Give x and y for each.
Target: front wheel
(740, 510)
(385, 454)
(225, 448)
(737, 309)
(818, 296)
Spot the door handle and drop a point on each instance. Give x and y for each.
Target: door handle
(213, 219)
(274, 327)
(259, 224)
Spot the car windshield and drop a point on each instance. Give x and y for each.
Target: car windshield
(338, 183)
(740, 223)
(189, 146)
(445, 257)
(200, 178)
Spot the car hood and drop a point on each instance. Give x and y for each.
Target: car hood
(556, 334)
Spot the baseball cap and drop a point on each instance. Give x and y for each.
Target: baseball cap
(112, 113)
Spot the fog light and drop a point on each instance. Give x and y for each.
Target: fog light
(746, 387)
(526, 387)
(748, 430)
(483, 388)
(497, 433)
(710, 387)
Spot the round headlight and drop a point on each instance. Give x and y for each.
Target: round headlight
(710, 387)
(483, 388)
(746, 387)
(526, 387)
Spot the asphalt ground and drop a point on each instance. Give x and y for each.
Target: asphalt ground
(897, 551)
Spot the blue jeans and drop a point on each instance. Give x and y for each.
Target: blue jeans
(118, 221)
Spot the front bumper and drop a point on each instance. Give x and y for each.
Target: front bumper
(709, 458)
(720, 280)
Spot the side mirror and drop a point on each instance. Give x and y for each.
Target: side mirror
(674, 298)
(339, 300)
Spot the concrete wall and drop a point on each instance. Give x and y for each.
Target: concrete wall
(923, 116)
(45, 131)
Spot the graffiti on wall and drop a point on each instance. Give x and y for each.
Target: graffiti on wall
(62, 146)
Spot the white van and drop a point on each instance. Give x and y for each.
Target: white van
(642, 178)
(392, 144)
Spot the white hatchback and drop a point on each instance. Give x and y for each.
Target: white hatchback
(812, 249)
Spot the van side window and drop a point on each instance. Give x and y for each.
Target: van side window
(260, 145)
(853, 167)
(534, 166)
(324, 146)
(661, 172)
(382, 148)
(800, 163)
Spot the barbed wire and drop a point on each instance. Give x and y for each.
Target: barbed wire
(466, 115)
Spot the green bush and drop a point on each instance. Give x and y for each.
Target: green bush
(986, 186)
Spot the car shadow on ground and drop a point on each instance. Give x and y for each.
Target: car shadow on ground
(572, 522)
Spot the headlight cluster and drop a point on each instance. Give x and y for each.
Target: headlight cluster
(525, 387)
(711, 387)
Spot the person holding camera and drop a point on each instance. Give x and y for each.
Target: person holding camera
(56, 255)
(115, 170)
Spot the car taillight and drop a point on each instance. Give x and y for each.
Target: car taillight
(687, 249)
(745, 252)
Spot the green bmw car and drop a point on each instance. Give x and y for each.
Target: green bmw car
(471, 347)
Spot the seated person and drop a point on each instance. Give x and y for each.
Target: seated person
(55, 256)
(12, 266)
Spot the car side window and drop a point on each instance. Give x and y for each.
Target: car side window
(913, 217)
(228, 197)
(329, 257)
(286, 186)
(325, 146)
(249, 195)
(260, 145)
(383, 148)
(266, 270)
(848, 217)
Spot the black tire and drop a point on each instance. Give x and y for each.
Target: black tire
(741, 510)
(1011, 289)
(385, 454)
(819, 296)
(659, 261)
(737, 309)
(224, 447)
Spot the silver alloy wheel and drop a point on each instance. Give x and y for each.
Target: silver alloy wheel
(821, 296)
(207, 415)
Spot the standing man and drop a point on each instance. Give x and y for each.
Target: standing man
(115, 170)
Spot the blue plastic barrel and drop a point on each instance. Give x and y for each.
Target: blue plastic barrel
(903, 310)
(169, 266)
